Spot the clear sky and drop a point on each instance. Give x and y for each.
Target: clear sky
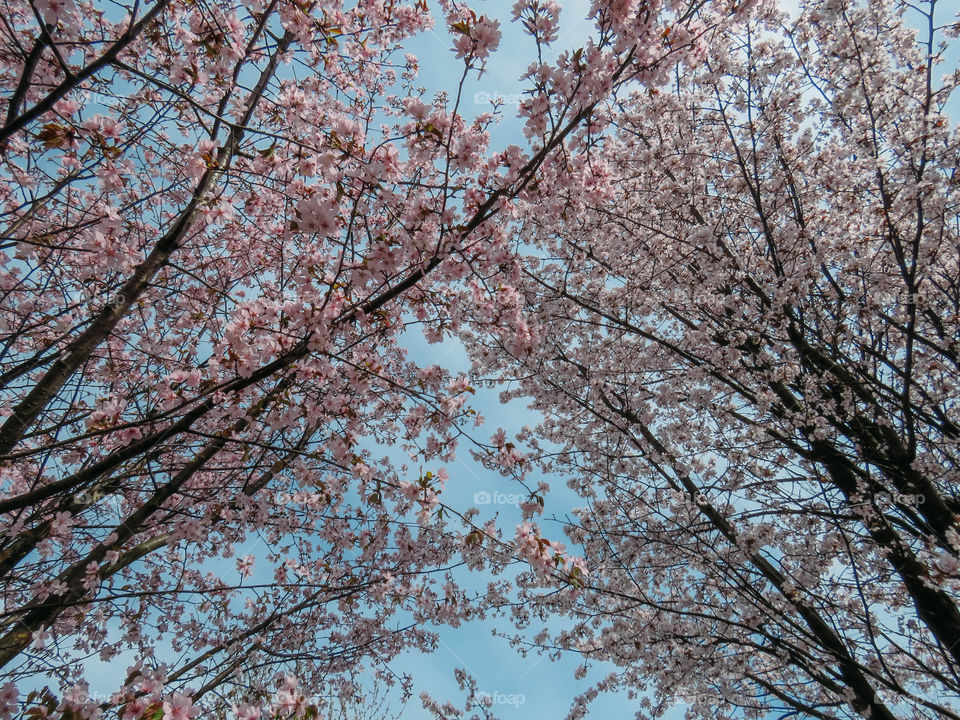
(534, 686)
(531, 687)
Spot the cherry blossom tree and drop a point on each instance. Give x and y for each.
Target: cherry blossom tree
(218, 219)
(748, 312)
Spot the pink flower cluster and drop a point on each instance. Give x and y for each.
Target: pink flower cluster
(476, 37)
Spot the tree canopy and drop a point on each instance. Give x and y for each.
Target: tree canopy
(723, 264)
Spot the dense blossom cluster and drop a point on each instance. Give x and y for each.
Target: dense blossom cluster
(218, 220)
(747, 295)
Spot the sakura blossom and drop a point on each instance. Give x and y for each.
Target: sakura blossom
(716, 258)
(747, 371)
(178, 707)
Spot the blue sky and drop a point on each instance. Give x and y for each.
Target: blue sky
(440, 71)
(535, 686)
(522, 687)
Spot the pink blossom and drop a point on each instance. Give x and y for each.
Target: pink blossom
(289, 700)
(135, 708)
(245, 565)
(409, 490)
(8, 700)
(179, 707)
(477, 39)
(60, 524)
(246, 711)
(53, 11)
(318, 215)
(416, 108)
